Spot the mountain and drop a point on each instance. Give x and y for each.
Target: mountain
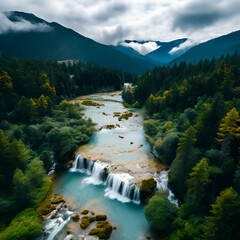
(38, 38)
(162, 55)
(133, 53)
(216, 47)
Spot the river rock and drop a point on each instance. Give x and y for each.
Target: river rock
(146, 189)
(57, 199)
(101, 217)
(85, 212)
(76, 218)
(85, 222)
(103, 230)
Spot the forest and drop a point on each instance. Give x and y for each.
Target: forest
(39, 129)
(192, 122)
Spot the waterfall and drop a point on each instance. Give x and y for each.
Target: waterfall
(118, 187)
(117, 184)
(163, 185)
(53, 226)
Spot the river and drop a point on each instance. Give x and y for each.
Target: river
(119, 145)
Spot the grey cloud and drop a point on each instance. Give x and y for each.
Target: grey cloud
(200, 14)
(113, 10)
(195, 21)
(21, 25)
(115, 34)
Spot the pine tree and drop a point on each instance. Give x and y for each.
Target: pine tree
(229, 130)
(224, 222)
(185, 160)
(199, 178)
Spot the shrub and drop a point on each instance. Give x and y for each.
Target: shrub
(25, 226)
(160, 211)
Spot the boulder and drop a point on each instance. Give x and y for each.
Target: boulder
(86, 221)
(101, 217)
(146, 189)
(76, 218)
(85, 212)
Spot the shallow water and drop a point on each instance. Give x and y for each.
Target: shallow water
(128, 217)
(123, 147)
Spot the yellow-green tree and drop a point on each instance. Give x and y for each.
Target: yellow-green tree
(229, 129)
(199, 178)
(5, 81)
(48, 89)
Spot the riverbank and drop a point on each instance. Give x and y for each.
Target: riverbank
(107, 171)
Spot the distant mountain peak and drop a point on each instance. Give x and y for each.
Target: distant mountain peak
(217, 47)
(25, 35)
(156, 51)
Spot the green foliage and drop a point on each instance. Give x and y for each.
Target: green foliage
(25, 226)
(187, 229)
(169, 147)
(151, 127)
(24, 111)
(199, 178)
(185, 159)
(186, 104)
(226, 210)
(161, 212)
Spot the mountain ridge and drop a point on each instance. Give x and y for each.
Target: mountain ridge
(216, 47)
(64, 43)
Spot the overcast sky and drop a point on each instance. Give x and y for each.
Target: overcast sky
(112, 21)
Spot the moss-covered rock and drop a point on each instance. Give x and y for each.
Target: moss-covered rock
(57, 198)
(106, 231)
(146, 189)
(85, 212)
(86, 221)
(54, 215)
(94, 231)
(46, 209)
(91, 103)
(103, 230)
(76, 218)
(126, 115)
(101, 217)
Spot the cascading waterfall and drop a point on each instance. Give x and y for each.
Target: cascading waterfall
(117, 184)
(53, 226)
(118, 187)
(163, 185)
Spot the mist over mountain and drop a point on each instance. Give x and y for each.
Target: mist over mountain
(156, 51)
(216, 47)
(26, 36)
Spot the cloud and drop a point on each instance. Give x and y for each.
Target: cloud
(200, 14)
(113, 34)
(106, 20)
(142, 48)
(183, 47)
(110, 11)
(21, 25)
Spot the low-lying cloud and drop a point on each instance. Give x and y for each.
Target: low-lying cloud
(142, 48)
(183, 47)
(21, 25)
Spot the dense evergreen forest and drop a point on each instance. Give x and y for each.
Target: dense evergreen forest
(39, 128)
(192, 121)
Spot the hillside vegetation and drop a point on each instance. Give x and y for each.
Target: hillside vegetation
(192, 121)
